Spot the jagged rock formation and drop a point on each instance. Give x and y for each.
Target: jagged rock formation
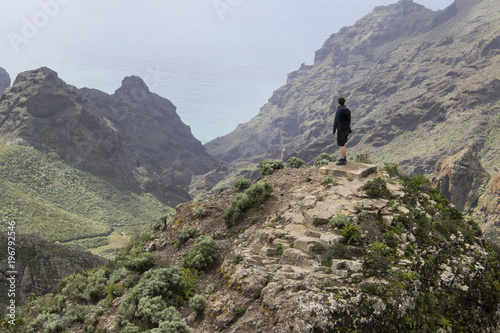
(488, 209)
(460, 177)
(46, 113)
(150, 125)
(4, 80)
(132, 137)
(409, 260)
(420, 84)
(41, 264)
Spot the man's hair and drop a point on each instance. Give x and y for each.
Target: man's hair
(341, 100)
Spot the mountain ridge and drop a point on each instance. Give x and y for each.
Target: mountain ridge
(4, 80)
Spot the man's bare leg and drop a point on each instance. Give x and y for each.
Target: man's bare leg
(342, 152)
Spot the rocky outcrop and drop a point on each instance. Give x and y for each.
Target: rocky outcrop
(4, 80)
(132, 137)
(46, 113)
(411, 77)
(488, 209)
(150, 125)
(317, 257)
(460, 178)
(41, 264)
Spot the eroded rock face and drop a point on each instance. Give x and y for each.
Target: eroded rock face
(41, 264)
(47, 113)
(459, 177)
(133, 136)
(4, 80)
(408, 81)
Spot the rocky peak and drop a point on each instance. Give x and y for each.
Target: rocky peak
(459, 177)
(4, 80)
(384, 25)
(133, 88)
(45, 112)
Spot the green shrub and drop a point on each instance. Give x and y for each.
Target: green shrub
(186, 233)
(191, 277)
(324, 159)
(351, 234)
(202, 255)
(140, 263)
(370, 288)
(339, 221)
(85, 287)
(242, 184)
(156, 289)
(336, 251)
(329, 180)
(76, 314)
(199, 212)
(376, 189)
(49, 322)
(198, 303)
(362, 158)
(236, 258)
(393, 170)
(268, 166)
(294, 162)
(279, 248)
(253, 197)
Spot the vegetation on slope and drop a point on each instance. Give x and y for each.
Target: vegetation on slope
(60, 203)
(428, 269)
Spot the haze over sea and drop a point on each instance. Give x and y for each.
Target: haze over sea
(218, 61)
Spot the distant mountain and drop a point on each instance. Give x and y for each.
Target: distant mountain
(133, 137)
(420, 84)
(4, 80)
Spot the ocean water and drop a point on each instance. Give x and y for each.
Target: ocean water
(218, 61)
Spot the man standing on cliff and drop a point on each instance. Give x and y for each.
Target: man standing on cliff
(342, 126)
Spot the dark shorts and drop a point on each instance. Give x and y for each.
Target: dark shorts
(342, 137)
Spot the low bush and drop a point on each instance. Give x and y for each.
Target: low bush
(362, 158)
(147, 303)
(324, 159)
(198, 303)
(351, 234)
(141, 263)
(254, 196)
(202, 255)
(242, 183)
(268, 166)
(87, 287)
(329, 180)
(376, 189)
(339, 221)
(294, 162)
(186, 233)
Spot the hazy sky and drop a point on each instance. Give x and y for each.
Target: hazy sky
(189, 51)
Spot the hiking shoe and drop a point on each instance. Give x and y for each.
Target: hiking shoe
(342, 162)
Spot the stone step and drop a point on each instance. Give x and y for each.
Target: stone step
(351, 169)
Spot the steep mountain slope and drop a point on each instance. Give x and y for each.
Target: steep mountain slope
(133, 137)
(77, 165)
(420, 84)
(150, 125)
(43, 265)
(4, 80)
(317, 256)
